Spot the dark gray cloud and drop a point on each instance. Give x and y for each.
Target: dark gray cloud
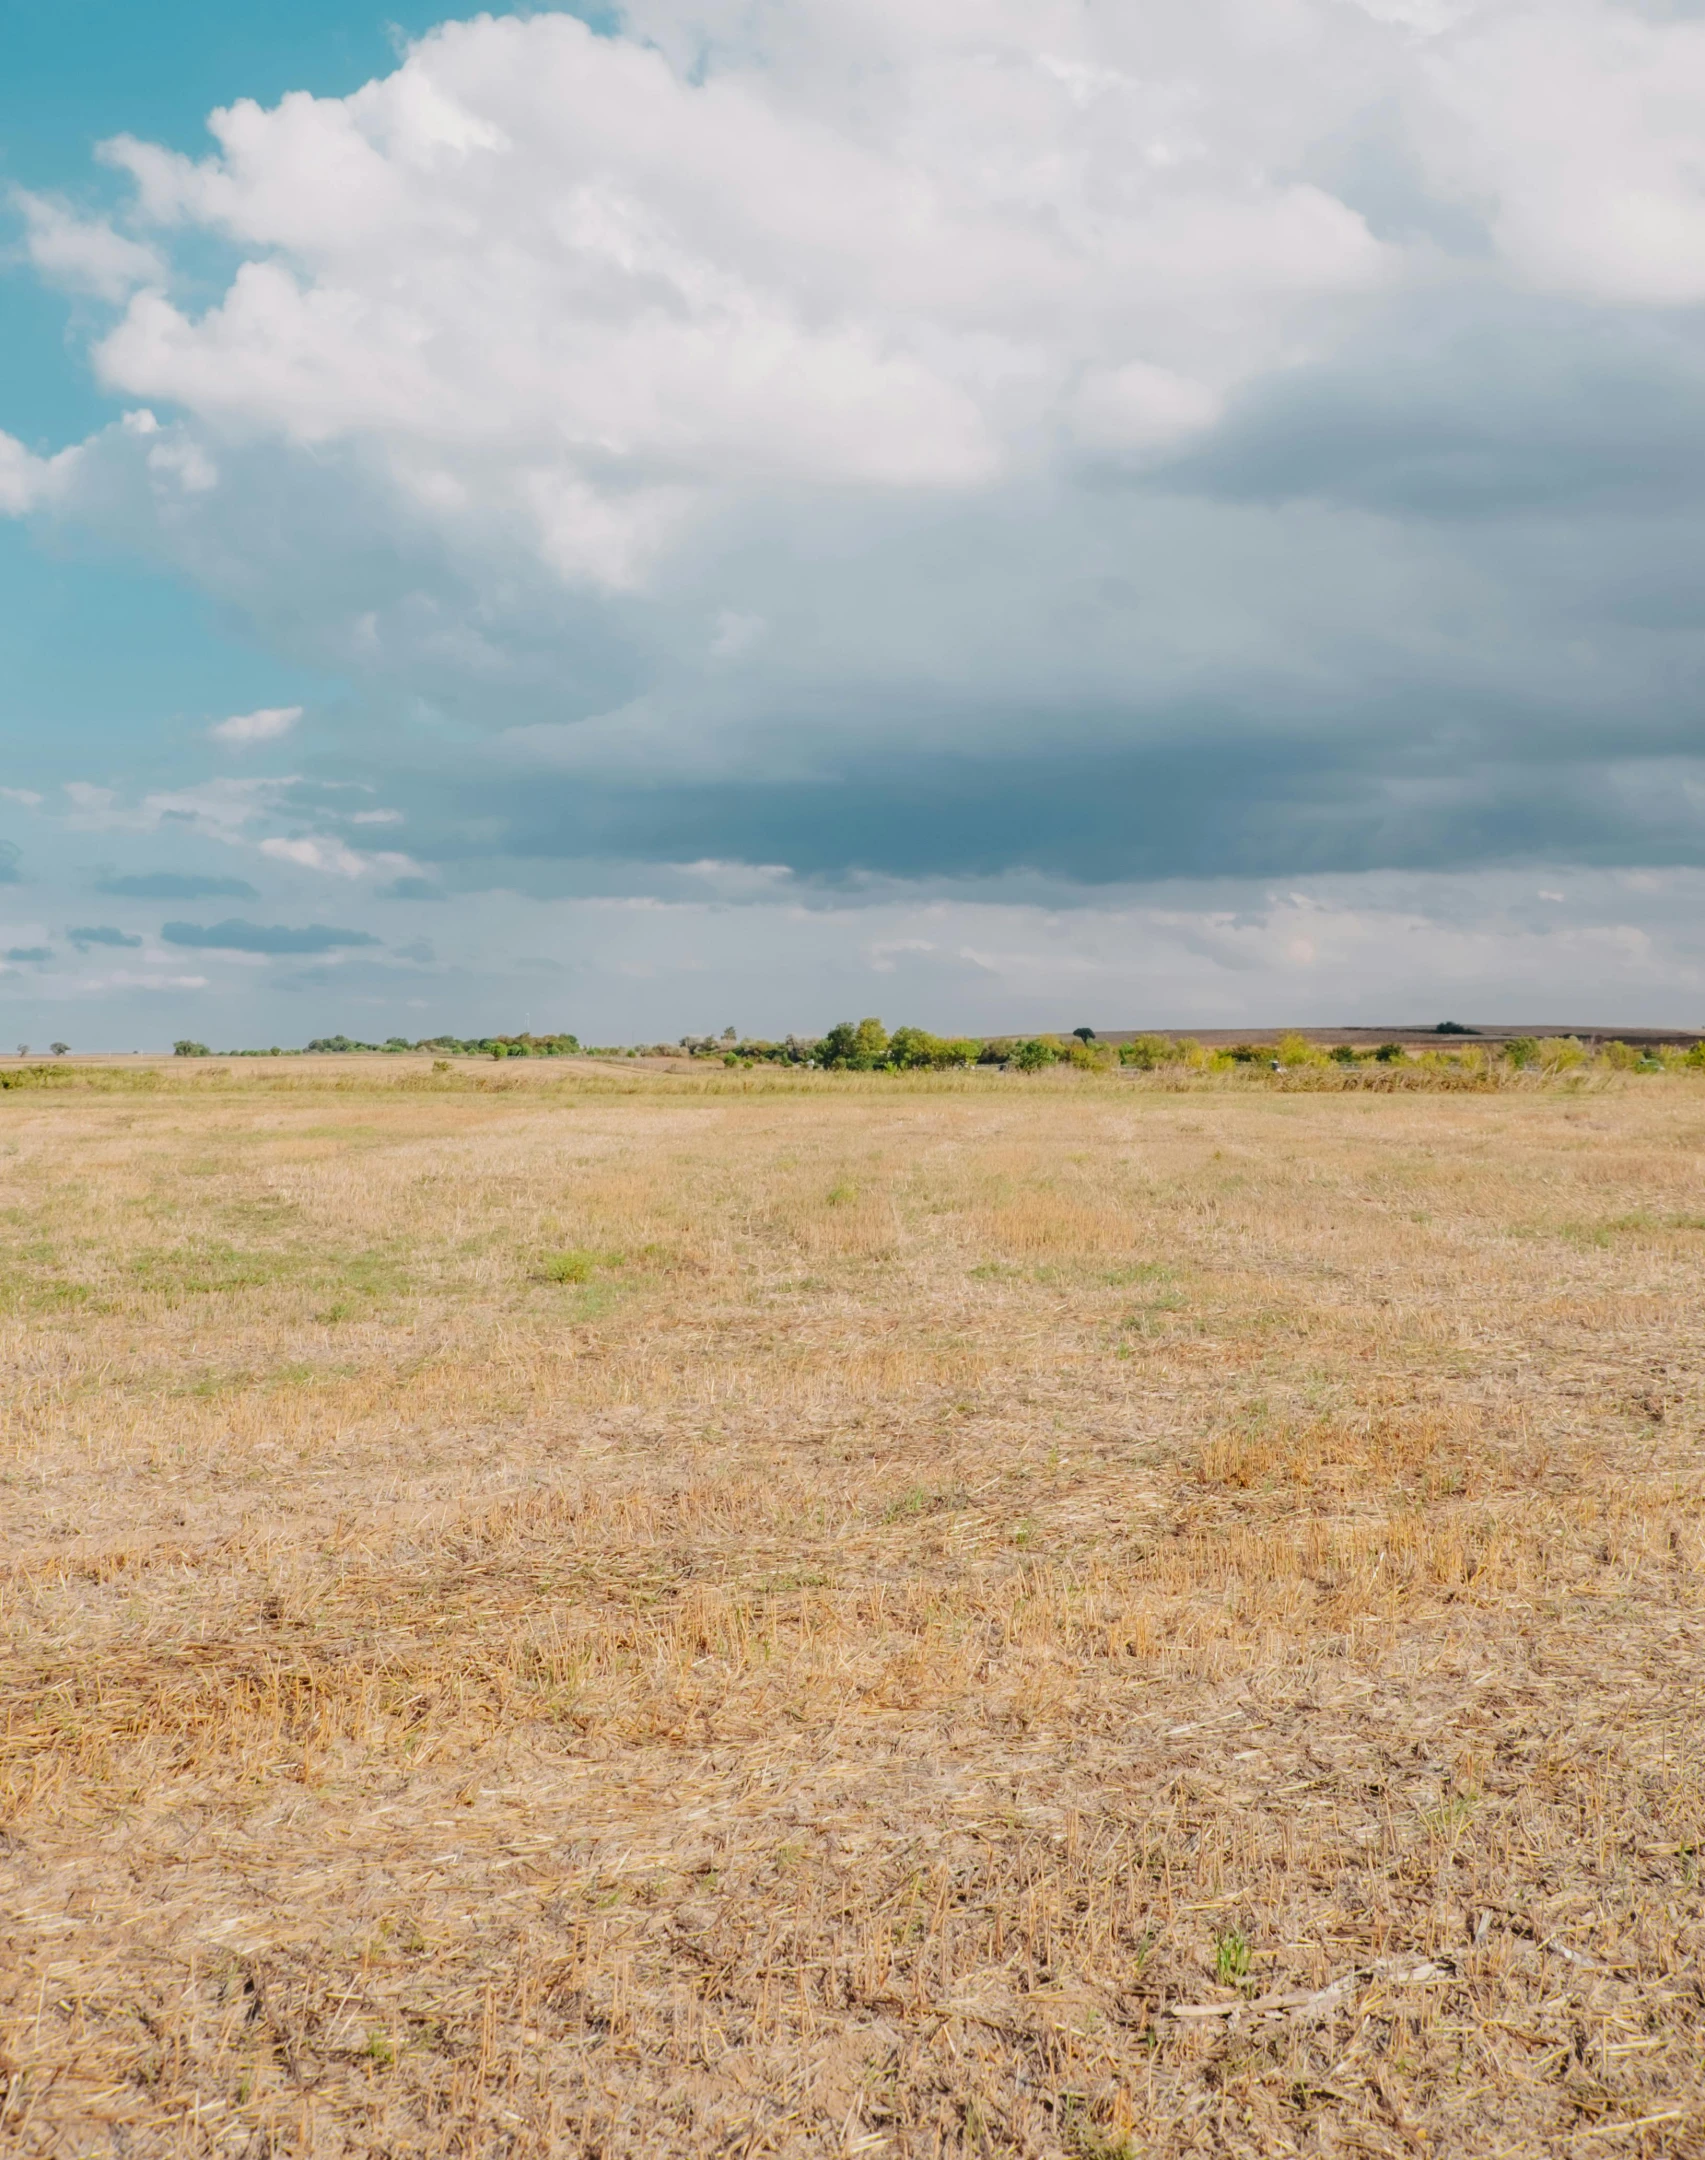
(100, 934)
(27, 955)
(176, 885)
(410, 888)
(237, 936)
(1499, 408)
(1233, 804)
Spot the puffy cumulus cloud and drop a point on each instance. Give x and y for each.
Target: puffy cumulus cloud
(1254, 437)
(85, 254)
(1574, 128)
(28, 482)
(572, 294)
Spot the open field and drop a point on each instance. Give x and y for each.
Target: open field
(570, 1611)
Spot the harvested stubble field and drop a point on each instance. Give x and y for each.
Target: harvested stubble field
(591, 1613)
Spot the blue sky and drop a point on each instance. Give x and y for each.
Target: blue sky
(1013, 514)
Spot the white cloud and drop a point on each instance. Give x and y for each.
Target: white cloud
(27, 796)
(213, 809)
(129, 979)
(28, 482)
(85, 255)
(1138, 407)
(1575, 126)
(577, 286)
(263, 726)
(334, 858)
(544, 308)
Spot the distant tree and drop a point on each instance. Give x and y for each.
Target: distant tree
(1034, 1055)
(912, 1049)
(59, 1049)
(187, 1048)
(23, 1049)
(731, 1034)
(1084, 1035)
(1454, 1027)
(854, 1047)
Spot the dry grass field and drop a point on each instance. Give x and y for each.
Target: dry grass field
(556, 1610)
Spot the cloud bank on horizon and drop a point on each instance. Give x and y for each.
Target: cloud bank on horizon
(1001, 507)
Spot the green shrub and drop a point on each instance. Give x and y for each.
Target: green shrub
(186, 1048)
(570, 1267)
(1035, 1054)
(1146, 1052)
(1522, 1051)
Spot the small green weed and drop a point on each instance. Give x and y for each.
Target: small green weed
(1449, 1819)
(842, 1195)
(1231, 1958)
(921, 1500)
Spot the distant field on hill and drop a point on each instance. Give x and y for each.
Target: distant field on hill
(573, 1610)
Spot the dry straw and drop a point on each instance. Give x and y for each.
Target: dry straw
(579, 1612)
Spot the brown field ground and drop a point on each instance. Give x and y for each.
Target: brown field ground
(576, 1612)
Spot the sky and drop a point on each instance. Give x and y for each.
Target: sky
(1003, 515)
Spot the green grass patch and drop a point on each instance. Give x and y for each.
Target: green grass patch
(210, 1268)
